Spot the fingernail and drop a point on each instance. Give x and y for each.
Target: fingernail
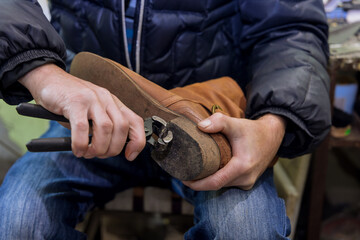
(205, 123)
(133, 156)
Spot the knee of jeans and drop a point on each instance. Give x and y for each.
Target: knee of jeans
(251, 223)
(19, 218)
(231, 214)
(31, 218)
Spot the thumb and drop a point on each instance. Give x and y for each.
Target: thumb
(217, 122)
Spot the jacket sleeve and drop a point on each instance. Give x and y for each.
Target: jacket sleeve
(286, 45)
(27, 40)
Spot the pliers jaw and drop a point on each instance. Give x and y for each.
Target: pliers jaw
(157, 133)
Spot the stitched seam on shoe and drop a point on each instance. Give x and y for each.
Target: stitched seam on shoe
(186, 112)
(189, 100)
(170, 100)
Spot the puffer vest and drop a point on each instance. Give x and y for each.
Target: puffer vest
(175, 43)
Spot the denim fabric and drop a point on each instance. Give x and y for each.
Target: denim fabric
(44, 195)
(231, 213)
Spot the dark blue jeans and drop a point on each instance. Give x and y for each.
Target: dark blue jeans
(44, 196)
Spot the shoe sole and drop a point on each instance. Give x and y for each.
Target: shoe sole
(191, 155)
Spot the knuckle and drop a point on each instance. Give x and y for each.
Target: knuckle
(249, 182)
(81, 125)
(218, 116)
(106, 126)
(123, 126)
(79, 146)
(103, 91)
(139, 120)
(97, 151)
(248, 186)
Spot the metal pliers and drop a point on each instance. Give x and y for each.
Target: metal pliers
(156, 132)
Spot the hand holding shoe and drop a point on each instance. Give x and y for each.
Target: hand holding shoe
(254, 144)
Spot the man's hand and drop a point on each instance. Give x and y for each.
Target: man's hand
(80, 101)
(254, 145)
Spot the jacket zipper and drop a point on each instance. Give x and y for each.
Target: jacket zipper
(138, 36)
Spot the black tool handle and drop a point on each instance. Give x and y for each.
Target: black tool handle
(35, 110)
(50, 144)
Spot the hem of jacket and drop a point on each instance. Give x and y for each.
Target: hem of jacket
(287, 149)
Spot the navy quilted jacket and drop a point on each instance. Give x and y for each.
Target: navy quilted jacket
(276, 50)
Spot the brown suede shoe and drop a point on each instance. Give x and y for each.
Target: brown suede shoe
(192, 154)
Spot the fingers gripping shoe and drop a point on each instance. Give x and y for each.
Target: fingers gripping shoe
(192, 154)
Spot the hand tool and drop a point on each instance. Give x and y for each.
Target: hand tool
(156, 131)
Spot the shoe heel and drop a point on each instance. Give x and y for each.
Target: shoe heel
(191, 155)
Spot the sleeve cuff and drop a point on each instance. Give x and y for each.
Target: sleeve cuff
(298, 140)
(11, 91)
